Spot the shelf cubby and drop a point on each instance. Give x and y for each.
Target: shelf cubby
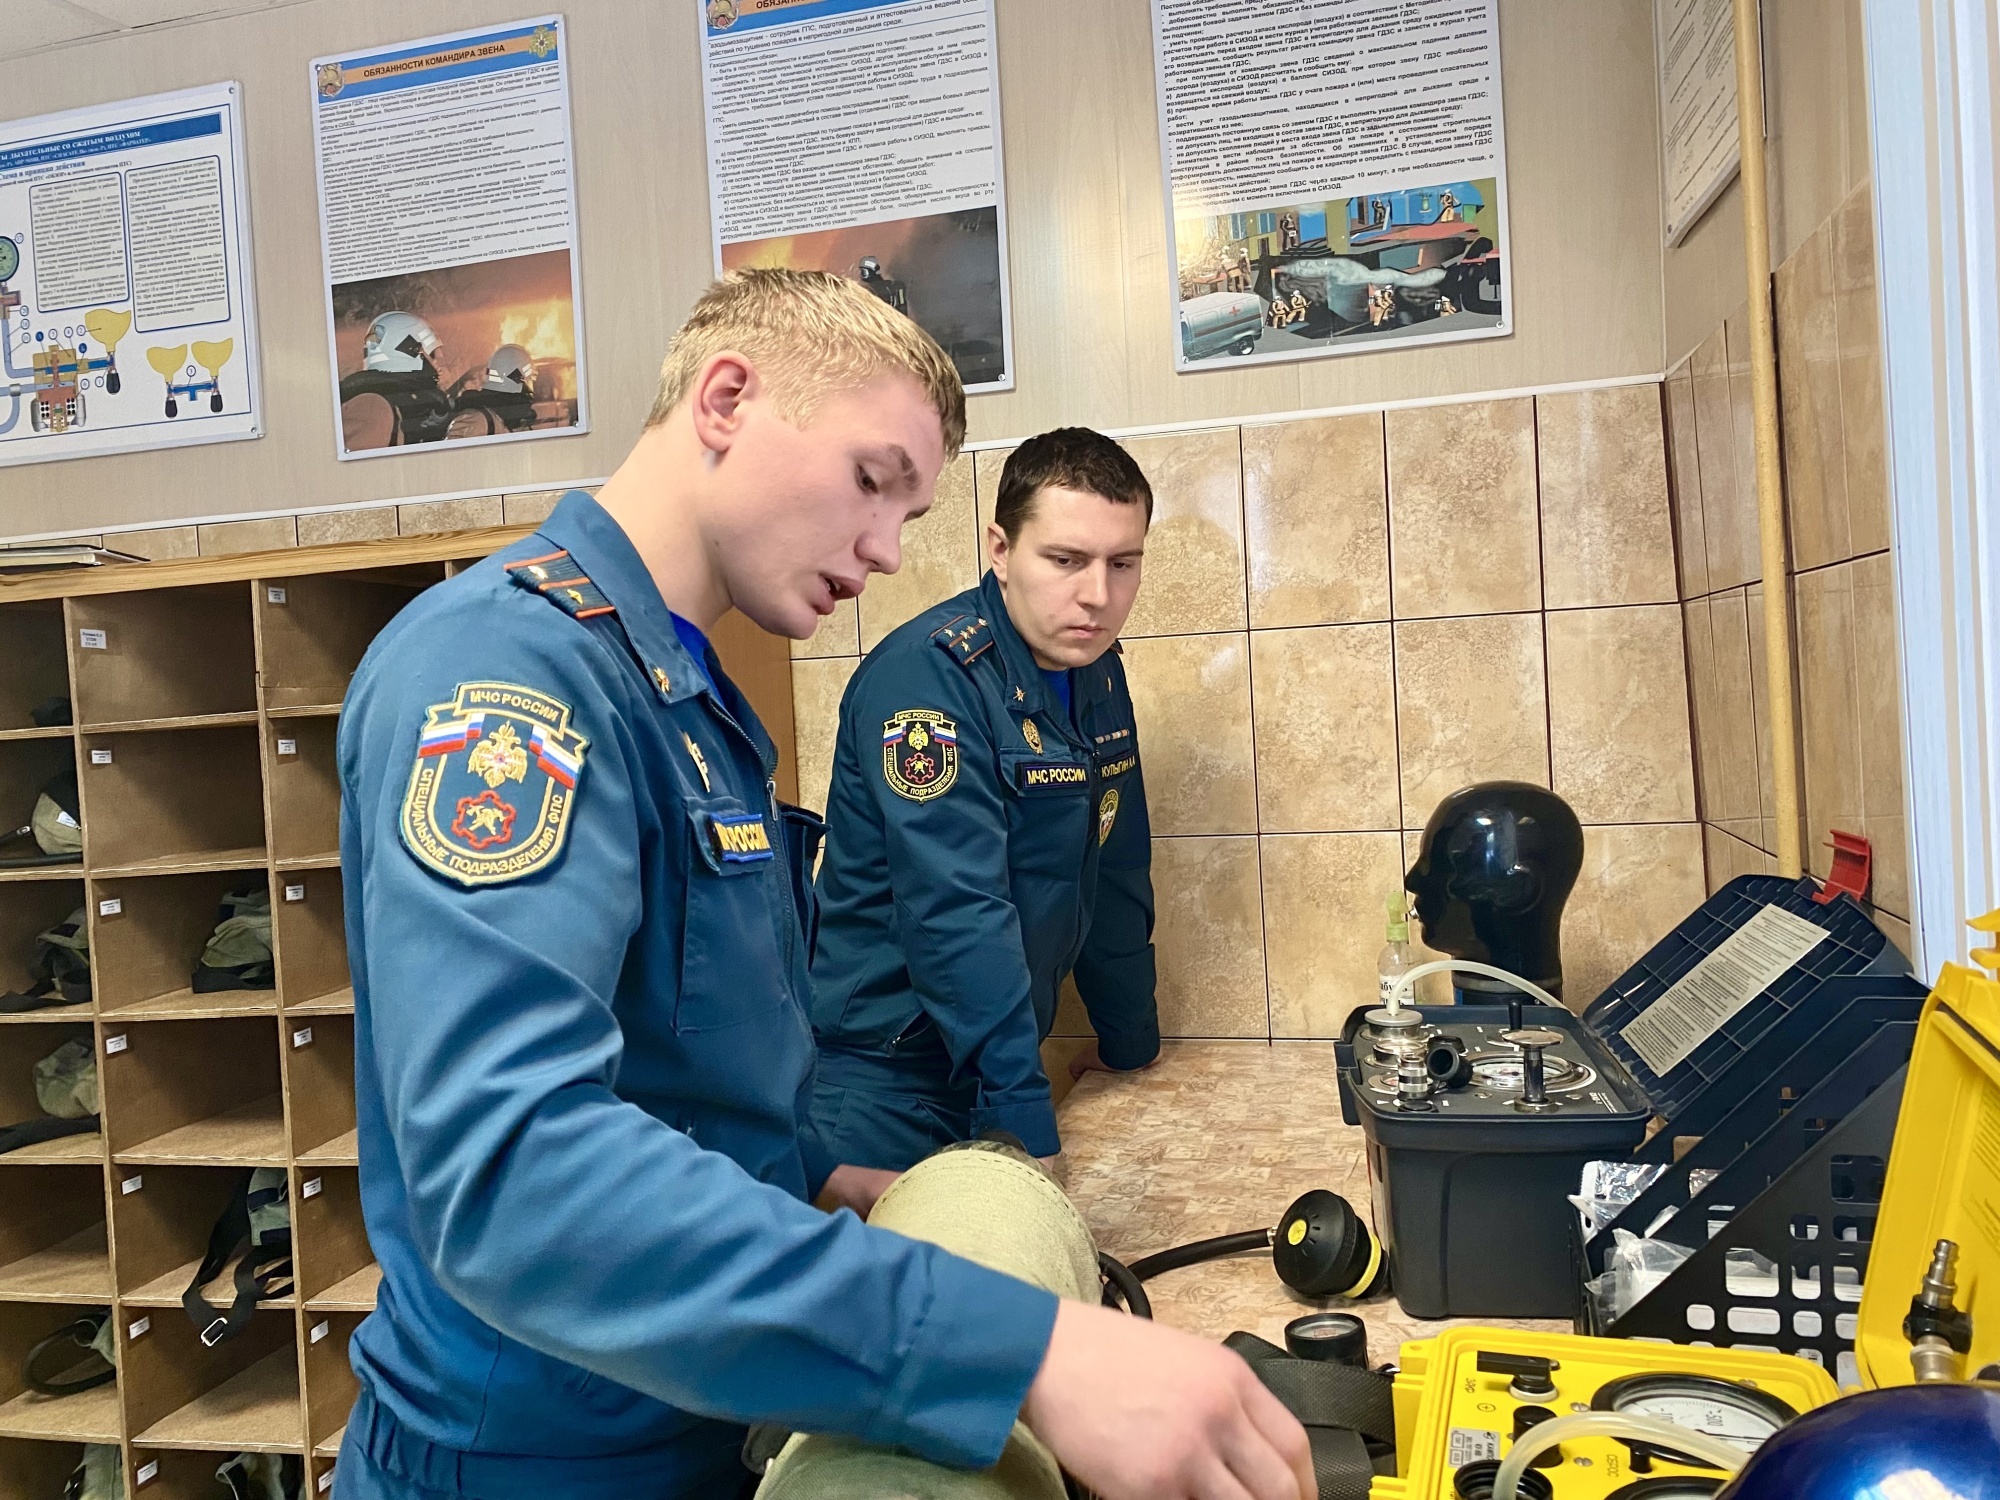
(335, 1267)
(21, 1047)
(319, 1081)
(303, 779)
(163, 655)
(172, 801)
(147, 934)
(309, 933)
(90, 1416)
(26, 908)
(330, 1383)
(193, 1093)
(33, 665)
(36, 1470)
(312, 631)
(53, 1246)
(162, 1217)
(26, 766)
(242, 1395)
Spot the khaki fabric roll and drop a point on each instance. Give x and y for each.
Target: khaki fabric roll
(992, 1205)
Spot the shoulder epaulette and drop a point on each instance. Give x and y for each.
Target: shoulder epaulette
(964, 639)
(558, 579)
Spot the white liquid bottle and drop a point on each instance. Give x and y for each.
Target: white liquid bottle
(1395, 960)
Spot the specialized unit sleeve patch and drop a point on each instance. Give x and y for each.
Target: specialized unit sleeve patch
(494, 781)
(919, 754)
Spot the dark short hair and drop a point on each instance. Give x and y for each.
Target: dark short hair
(1070, 458)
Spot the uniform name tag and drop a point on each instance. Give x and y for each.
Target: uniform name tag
(1119, 766)
(740, 839)
(1050, 775)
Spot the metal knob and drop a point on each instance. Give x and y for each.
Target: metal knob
(1414, 1087)
(1534, 1042)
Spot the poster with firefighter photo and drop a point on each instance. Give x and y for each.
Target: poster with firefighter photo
(1336, 179)
(903, 195)
(448, 224)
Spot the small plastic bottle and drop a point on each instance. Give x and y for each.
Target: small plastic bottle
(1395, 960)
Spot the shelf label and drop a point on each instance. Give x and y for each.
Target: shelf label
(147, 1471)
(138, 1329)
(132, 1184)
(320, 1330)
(310, 1188)
(100, 757)
(92, 640)
(288, 747)
(115, 1044)
(295, 892)
(326, 1480)
(302, 1037)
(111, 906)
(274, 595)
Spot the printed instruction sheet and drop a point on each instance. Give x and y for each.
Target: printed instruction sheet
(447, 204)
(126, 317)
(1695, 44)
(1336, 176)
(887, 169)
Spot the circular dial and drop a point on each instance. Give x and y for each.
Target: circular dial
(1721, 1409)
(10, 257)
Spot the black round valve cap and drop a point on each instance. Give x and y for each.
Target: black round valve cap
(1323, 1249)
(1333, 1338)
(1474, 1481)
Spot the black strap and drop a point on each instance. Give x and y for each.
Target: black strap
(71, 1342)
(258, 1275)
(34, 1132)
(1349, 1414)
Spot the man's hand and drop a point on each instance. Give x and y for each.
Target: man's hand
(1138, 1411)
(854, 1187)
(1088, 1061)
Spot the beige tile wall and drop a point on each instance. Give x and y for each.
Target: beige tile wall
(1846, 686)
(1343, 620)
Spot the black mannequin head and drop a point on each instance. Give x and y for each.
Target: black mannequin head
(1497, 863)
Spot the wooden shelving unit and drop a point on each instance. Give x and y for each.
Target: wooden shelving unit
(206, 696)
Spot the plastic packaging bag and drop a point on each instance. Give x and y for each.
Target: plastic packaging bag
(1608, 1188)
(1634, 1267)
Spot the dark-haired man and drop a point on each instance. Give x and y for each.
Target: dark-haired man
(987, 831)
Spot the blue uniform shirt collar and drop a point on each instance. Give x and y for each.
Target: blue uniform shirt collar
(586, 531)
(1028, 691)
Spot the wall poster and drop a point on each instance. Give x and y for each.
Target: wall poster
(1695, 45)
(886, 169)
(1336, 176)
(126, 316)
(447, 212)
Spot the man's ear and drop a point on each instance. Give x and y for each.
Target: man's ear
(726, 383)
(997, 550)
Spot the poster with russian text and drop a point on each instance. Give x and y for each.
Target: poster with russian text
(1336, 176)
(447, 212)
(863, 137)
(1695, 46)
(126, 317)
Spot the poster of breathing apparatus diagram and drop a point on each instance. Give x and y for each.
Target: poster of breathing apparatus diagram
(448, 223)
(125, 285)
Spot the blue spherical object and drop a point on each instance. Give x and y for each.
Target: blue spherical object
(1915, 1442)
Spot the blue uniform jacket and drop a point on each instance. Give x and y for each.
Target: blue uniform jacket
(582, 1064)
(981, 845)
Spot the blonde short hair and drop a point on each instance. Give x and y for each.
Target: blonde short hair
(810, 334)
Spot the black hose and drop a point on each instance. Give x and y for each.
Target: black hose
(1121, 1284)
(1201, 1250)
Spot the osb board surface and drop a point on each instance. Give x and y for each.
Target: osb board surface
(1218, 1137)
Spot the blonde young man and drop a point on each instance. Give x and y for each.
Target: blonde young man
(582, 1056)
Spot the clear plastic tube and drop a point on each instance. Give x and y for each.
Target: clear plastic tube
(1465, 966)
(1613, 1424)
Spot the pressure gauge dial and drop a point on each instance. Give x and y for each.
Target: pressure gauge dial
(1736, 1414)
(10, 257)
